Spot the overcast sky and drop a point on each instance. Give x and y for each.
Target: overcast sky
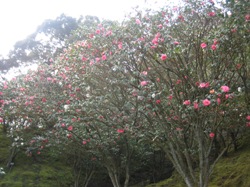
(20, 18)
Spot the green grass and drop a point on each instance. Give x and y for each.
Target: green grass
(29, 173)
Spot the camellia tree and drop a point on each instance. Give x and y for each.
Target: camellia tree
(168, 78)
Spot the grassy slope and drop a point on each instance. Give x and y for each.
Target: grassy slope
(28, 173)
(231, 171)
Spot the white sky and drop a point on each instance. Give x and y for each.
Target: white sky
(20, 18)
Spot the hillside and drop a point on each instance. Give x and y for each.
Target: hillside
(231, 171)
(46, 171)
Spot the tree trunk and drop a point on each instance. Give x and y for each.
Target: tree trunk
(114, 178)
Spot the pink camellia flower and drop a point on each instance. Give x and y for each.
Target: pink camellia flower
(70, 128)
(215, 42)
(1, 120)
(97, 31)
(144, 83)
(63, 125)
(247, 17)
(203, 45)
(211, 14)
(196, 106)
(44, 100)
(138, 21)
(97, 59)
(206, 102)
(225, 88)
(120, 45)
(213, 47)
(5, 86)
(204, 85)
(120, 131)
(211, 135)
(160, 26)
(144, 73)
(170, 97)
(176, 43)
(104, 57)
(158, 101)
(187, 102)
(248, 118)
(163, 57)
(84, 142)
(69, 135)
(84, 59)
(218, 101)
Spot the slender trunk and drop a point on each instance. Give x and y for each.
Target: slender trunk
(114, 178)
(86, 182)
(127, 176)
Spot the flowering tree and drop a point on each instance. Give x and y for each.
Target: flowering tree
(168, 78)
(188, 84)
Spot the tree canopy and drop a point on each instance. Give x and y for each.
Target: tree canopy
(175, 80)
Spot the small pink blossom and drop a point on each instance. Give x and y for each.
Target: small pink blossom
(69, 135)
(97, 31)
(104, 57)
(63, 125)
(1, 120)
(120, 45)
(158, 101)
(144, 83)
(176, 43)
(155, 41)
(70, 128)
(206, 102)
(160, 26)
(84, 142)
(225, 88)
(213, 47)
(218, 101)
(97, 59)
(44, 100)
(138, 21)
(144, 73)
(248, 117)
(211, 135)
(211, 14)
(203, 45)
(204, 85)
(196, 106)
(120, 131)
(84, 59)
(163, 57)
(247, 17)
(187, 102)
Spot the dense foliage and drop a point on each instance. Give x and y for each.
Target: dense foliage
(175, 80)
